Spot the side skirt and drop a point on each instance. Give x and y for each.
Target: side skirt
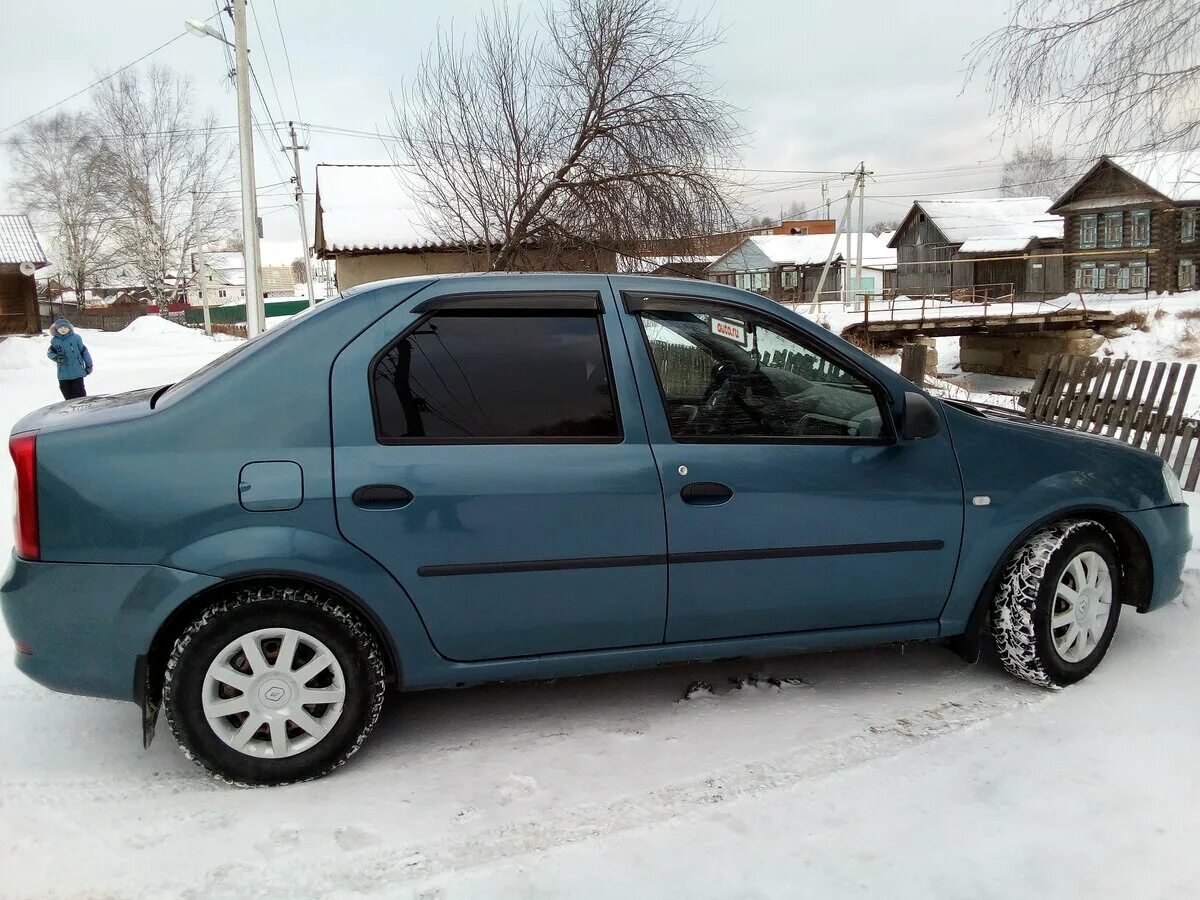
(596, 662)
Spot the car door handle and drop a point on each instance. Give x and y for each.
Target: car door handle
(706, 493)
(382, 496)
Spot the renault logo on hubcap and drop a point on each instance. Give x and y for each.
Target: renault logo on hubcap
(274, 693)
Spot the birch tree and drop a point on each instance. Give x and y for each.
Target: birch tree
(58, 180)
(163, 178)
(598, 128)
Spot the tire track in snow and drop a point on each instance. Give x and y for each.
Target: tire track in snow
(378, 869)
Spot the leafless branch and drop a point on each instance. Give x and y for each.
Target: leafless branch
(1101, 75)
(597, 130)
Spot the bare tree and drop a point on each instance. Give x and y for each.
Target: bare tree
(163, 177)
(1037, 171)
(598, 130)
(57, 178)
(884, 225)
(1101, 74)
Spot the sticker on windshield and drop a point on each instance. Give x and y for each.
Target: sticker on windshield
(730, 330)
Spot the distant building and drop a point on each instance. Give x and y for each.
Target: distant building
(1133, 224)
(223, 276)
(981, 248)
(787, 267)
(21, 255)
(366, 221)
(690, 257)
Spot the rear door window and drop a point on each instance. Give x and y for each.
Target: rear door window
(496, 376)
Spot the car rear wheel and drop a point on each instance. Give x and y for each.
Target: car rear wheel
(1058, 604)
(274, 684)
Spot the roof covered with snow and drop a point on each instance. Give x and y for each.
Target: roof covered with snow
(1174, 174)
(640, 265)
(1017, 220)
(364, 207)
(18, 243)
(763, 250)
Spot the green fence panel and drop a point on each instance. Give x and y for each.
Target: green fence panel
(229, 315)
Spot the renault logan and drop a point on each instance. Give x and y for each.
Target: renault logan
(435, 482)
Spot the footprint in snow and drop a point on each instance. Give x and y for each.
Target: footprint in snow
(352, 837)
(514, 788)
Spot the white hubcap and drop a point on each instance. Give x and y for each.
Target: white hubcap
(273, 693)
(1082, 606)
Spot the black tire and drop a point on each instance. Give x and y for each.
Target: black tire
(1025, 603)
(251, 608)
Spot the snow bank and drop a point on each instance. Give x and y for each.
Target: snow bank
(22, 352)
(156, 325)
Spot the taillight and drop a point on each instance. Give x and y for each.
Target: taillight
(23, 448)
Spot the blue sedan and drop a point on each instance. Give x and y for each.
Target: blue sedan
(434, 482)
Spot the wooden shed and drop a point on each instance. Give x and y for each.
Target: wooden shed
(21, 255)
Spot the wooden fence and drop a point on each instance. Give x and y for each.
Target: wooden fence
(1139, 402)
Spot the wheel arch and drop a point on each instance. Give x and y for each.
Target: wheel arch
(152, 665)
(1137, 571)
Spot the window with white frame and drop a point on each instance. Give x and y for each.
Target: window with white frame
(221, 293)
(1087, 231)
(1111, 276)
(1139, 276)
(1141, 228)
(790, 278)
(1085, 277)
(1187, 275)
(1113, 230)
(1187, 225)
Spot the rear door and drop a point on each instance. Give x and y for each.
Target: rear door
(489, 450)
(791, 506)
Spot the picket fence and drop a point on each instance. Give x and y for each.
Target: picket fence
(1139, 402)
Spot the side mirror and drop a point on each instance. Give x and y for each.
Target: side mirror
(920, 418)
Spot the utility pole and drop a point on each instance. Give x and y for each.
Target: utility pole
(255, 314)
(825, 197)
(295, 148)
(862, 187)
(845, 220)
(200, 263)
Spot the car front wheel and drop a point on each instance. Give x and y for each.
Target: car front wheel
(272, 685)
(1058, 603)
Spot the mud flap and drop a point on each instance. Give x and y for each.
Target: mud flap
(149, 701)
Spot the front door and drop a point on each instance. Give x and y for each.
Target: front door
(491, 453)
(790, 504)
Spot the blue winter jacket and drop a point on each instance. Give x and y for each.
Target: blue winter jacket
(68, 351)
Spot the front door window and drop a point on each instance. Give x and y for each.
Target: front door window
(735, 378)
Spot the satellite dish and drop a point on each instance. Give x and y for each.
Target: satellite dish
(28, 268)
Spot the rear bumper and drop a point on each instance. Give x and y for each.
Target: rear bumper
(1169, 538)
(86, 624)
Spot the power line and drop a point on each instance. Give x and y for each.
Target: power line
(97, 82)
(267, 59)
(288, 58)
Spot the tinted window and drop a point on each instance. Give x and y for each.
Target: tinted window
(728, 377)
(496, 375)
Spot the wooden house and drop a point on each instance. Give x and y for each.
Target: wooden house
(787, 267)
(1133, 224)
(980, 248)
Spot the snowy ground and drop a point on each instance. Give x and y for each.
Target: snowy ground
(889, 772)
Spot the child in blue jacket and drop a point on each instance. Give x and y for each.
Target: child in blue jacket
(74, 361)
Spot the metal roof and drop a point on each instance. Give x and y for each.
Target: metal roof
(18, 242)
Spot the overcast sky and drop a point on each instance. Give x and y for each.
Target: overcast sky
(821, 83)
